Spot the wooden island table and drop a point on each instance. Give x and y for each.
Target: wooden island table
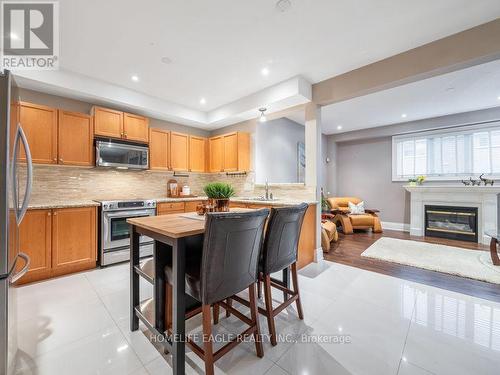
(173, 235)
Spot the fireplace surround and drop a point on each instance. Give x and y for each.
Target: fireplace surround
(484, 198)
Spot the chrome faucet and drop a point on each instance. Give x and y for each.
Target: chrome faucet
(267, 190)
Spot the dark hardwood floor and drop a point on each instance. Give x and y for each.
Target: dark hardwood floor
(347, 250)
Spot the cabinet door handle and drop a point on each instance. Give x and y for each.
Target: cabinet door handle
(55, 160)
(55, 213)
(49, 214)
(61, 160)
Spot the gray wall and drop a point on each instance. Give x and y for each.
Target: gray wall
(362, 162)
(83, 107)
(365, 171)
(276, 150)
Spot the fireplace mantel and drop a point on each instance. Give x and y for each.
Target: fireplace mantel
(482, 197)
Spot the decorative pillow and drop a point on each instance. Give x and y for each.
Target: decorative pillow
(357, 209)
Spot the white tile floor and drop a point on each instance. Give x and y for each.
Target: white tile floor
(79, 325)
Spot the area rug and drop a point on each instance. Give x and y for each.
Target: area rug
(472, 264)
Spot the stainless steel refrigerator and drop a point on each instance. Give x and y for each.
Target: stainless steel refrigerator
(16, 171)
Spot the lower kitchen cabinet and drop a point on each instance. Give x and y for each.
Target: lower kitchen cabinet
(166, 208)
(35, 239)
(191, 206)
(74, 239)
(58, 241)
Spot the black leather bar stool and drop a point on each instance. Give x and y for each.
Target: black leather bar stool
(280, 252)
(228, 265)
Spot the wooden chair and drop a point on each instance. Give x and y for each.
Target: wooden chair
(343, 218)
(228, 265)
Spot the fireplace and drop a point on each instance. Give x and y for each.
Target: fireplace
(457, 223)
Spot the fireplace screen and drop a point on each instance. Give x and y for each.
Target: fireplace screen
(458, 223)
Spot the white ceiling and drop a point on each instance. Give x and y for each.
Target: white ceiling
(461, 91)
(218, 48)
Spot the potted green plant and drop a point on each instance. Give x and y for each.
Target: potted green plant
(218, 194)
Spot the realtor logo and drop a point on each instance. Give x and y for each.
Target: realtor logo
(30, 35)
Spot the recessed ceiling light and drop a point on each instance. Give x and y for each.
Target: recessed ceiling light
(203, 101)
(404, 115)
(283, 5)
(265, 72)
(134, 78)
(339, 127)
(262, 117)
(166, 60)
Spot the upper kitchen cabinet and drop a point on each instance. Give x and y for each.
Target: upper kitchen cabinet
(179, 151)
(216, 154)
(197, 154)
(108, 122)
(135, 128)
(40, 126)
(75, 134)
(116, 124)
(159, 149)
(230, 152)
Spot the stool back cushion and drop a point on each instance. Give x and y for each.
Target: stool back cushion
(282, 237)
(231, 249)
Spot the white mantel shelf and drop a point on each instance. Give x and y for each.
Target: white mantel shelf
(485, 198)
(495, 189)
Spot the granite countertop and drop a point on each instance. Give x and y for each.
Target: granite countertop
(62, 204)
(38, 205)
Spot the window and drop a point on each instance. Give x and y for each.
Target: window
(448, 154)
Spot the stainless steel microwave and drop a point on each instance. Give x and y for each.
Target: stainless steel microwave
(121, 155)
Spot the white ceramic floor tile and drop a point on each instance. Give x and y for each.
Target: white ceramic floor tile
(310, 359)
(407, 368)
(79, 325)
(46, 297)
(106, 352)
(376, 335)
(141, 342)
(65, 325)
(276, 370)
(454, 334)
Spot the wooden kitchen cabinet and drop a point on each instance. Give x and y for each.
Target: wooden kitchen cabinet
(40, 126)
(229, 152)
(35, 240)
(159, 149)
(74, 239)
(135, 128)
(75, 138)
(108, 122)
(190, 206)
(165, 208)
(236, 152)
(179, 151)
(117, 124)
(58, 241)
(197, 154)
(216, 154)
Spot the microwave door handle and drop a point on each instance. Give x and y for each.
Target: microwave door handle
(22, 272)
(29, 183)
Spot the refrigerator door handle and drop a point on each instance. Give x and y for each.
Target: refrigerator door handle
(29, 184)
(23, 271)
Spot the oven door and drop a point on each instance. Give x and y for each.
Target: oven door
(116, 230)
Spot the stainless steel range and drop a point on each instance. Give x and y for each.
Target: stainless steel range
(114, 246)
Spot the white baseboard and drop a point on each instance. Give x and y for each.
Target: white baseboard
(401, 227)
(318, 255)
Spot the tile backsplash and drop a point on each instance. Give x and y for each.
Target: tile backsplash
(73, 183)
